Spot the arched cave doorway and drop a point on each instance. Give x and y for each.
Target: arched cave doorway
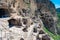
(4, 13)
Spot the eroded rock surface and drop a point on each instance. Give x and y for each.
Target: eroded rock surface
(20, 30)
(25, 19)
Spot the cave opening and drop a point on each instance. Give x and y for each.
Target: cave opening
(4, 13)
(12, 22)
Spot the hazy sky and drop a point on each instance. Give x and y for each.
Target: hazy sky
(57, 3)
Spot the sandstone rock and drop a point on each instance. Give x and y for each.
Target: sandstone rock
(27, 1)
(46, 37)
(27, 19)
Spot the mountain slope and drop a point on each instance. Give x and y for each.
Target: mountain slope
(58, 10)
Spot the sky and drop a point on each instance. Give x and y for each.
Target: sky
(57, 3)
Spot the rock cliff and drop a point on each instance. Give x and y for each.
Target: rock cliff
(25, 19)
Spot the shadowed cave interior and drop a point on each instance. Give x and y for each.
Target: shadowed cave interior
(4, 13)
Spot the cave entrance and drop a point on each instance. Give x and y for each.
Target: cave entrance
(4, 13)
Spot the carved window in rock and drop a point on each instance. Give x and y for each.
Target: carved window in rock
(46, 37)
(14, 22)
(25, 21)
(4, 13)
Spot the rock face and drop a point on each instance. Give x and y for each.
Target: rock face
(21, 28)
(25, 19)
(48, 14)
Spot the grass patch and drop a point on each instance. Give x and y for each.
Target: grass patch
(55, 37)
